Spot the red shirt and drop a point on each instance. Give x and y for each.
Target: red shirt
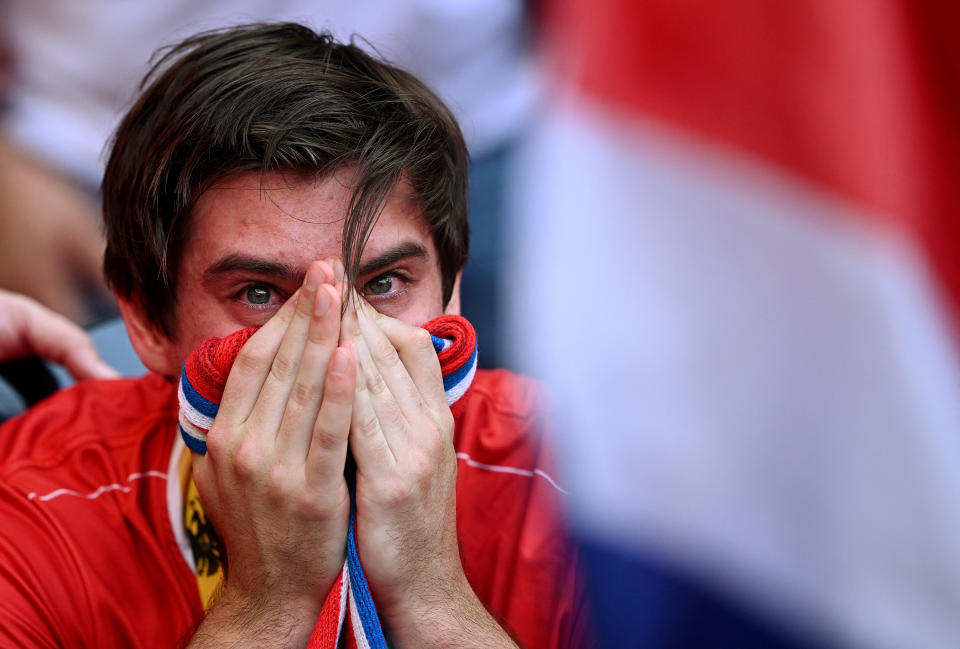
(90, 504)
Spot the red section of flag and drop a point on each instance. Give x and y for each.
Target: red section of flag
(861, 98)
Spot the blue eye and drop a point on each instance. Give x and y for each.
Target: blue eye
(258, 295)
(380, 285)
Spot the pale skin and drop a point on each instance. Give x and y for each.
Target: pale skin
(28, 328)
(306, 385)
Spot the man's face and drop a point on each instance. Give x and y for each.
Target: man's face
(251, 242)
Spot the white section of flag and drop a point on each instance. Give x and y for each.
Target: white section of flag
(752, 378)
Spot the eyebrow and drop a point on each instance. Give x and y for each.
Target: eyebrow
(404, 250)
(243, 263)
(259, 266)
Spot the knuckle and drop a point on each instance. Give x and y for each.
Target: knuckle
(316, 505)
(246, 461)
(307, 504)
(251, 357)
(396, 418)
(302, 394)
(432, 446)
(376, 384)
(421, 341)
(422, 465)
(292, 414)
(216, 443)
(281, 368)
(367, 425)
(278, 484)
(396, 491)
(446, 422)
(326, 437)
(386, 353)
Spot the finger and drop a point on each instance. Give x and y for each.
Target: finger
(307, 392)
(53, 337)
(271, 403)
(84, 362)
(393, 422)
(328, 446)
(388, 363)
(338, 270)
(253, 363)
(349, 327)
(329, 271)
(367, 441)
(414, 346)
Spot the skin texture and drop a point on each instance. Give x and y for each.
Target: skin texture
(289, 223)
(304, 386)
(28, 328)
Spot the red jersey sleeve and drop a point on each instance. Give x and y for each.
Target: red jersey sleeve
(515, 546)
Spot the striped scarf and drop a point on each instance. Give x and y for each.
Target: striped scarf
(201, 387)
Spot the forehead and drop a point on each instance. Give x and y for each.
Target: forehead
(291, 220)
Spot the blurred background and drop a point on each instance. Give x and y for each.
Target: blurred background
(736, 263)
(725, 235)
(70, 69)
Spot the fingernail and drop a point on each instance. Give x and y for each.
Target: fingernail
(340, 361)
(311, 281)
(353, 347)
(337, 267)
(321, 304)
(350, 346)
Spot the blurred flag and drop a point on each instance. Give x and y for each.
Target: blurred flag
(738, 261)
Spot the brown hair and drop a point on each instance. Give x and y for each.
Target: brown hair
(273, 97)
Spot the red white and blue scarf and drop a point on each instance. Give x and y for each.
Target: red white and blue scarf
(201, 388)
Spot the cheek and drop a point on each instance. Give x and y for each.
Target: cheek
(427, 306)
(198, 320)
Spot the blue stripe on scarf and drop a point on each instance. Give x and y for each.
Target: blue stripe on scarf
(194, 444)
(439, 344)
(453, 378)
(196, 399)
(369, 619)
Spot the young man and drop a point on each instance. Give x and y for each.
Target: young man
(264, 171)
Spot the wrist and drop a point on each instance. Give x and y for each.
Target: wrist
(243, 619)
(450, 618)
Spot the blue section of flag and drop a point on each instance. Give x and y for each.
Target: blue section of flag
(637, 601)
(195, 399)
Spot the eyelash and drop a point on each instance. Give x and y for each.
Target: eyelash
(277, 297)
(396, 275)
